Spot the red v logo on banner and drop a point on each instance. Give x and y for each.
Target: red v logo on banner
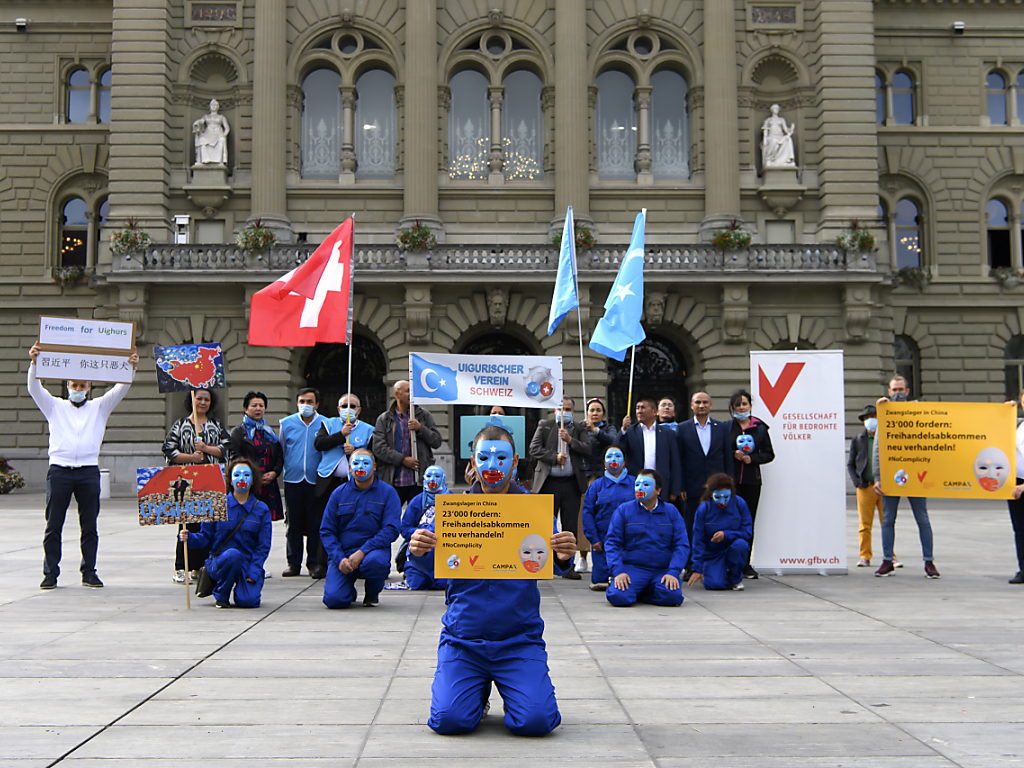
(772, 395)
(473, 559)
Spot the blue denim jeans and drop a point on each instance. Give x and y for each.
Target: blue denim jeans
(61, 484)
(924, 526)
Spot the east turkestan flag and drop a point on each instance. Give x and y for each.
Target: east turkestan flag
(312, 303)
(620, 327)
(565, 297)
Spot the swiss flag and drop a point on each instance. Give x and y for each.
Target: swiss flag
(310, 304)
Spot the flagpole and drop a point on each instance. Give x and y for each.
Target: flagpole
(351, 291)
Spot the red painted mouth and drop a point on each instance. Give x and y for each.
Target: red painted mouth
(613, 465)
(989, 483)
(492, 476)
(241, 485)
(531, 565)
(433, 486)
(360, 473)
(641, 495)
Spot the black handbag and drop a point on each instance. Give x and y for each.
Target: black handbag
(204, 584)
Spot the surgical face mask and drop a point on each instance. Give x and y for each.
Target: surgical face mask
(306, 410)
(644, 488)
(898, 397)
(362, 466)
(433, 480)
(563, 417)
(871, 424)
(613, 460)
(241, 478)
(494, 461)
(745, 443)
(347, 414)
(77, 395)
(721, 498)
(741, 415)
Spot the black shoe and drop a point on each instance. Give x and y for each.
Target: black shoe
(318, 572)
(49, 582)
(1018, 579)
(572, 575)
(686, 575)
(220, 604)
(370, 601)
(291, 570)
(91, 580)
(749, 572)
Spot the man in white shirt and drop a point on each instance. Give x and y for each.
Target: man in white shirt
(76, 427)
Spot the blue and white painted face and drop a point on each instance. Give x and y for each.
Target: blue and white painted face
(494, 460)
(241, 478)
(362, 466)
(745, 443)
(721, 497)
(614, 460)
(434, 480)
(644, 488)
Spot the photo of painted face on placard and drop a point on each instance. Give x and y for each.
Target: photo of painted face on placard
(534, 552)
(992, 468)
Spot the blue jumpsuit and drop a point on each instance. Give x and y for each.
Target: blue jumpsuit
(493, 632)
(646, 544)
(419, 569)
(359, 520)
(244, 555)
(722, 563)
(601, 500)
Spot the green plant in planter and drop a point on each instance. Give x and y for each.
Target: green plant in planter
(1008, 277)
(65, 276)
(585, 239)
(731, 238)
(857, 238)
(915, 277)
(9, 479)
(256, 239)
(418, 237)
(131, 239)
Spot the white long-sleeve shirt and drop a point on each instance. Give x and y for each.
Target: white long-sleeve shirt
(76, 432)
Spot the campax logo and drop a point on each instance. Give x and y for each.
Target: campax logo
(773, 395)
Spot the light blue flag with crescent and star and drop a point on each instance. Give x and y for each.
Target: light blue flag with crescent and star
(620, 327)
(565, 298)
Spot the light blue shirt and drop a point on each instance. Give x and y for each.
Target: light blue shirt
(300, 457)
(703, 434)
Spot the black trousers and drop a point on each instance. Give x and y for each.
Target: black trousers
(304, 513)
(196, 557)
(750, 493)
(407, 493)
(567, 500)
(61, 483)
(1017, 518)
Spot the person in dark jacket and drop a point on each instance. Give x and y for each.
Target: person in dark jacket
(392, 444)
(253, 439)
(752, 449)
(722, 531)
(650, 445)
(863, 477)
(605, 495)
(602, 437)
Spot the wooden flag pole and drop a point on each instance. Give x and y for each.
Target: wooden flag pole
(188, 590)
(412, 415)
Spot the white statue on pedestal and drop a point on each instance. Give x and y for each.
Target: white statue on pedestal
(777, 142)
(211, 137)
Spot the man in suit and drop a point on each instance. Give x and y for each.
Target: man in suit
(649, 445)
(560, 446)
(704, 450)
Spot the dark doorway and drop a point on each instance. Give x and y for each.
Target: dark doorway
(660, 372)
(327, 370)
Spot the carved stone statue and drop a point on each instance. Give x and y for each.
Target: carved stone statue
(777, 141)
(654, 308)
(211, 136)
(497, 306)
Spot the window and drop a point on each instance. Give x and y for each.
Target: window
(906, 358)
(998, 234)
(74, 233)
(879, 99)
(321, 125)
(670, 135)
(908, 235)
(996, 86)
(903, 99)
(615, 127)
(375, 125)
(522, 127)
(469, 134)
(79, 96)
(104, 94)
(1013, 362)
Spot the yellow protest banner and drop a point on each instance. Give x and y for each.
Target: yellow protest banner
(494, 536)
(948, 450)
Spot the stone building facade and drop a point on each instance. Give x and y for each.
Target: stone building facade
(483, 120)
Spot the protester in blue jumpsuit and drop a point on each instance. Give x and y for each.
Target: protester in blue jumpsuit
(722, 531)
(603, 497)
(646, 547)
(493, 631)
(360, 522)
(237, 557)
(419, 513)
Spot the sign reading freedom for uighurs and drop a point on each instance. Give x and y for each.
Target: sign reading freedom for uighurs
(86, 350)
(948, 450)
(523, 382)
(494, 536)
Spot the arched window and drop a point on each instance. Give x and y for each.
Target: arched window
(321, 125)
(616, 126)
(998, 234)
(79, 96)
(104, 97)
(670, 133)
(1013, 362)
(469, 134)
(906, 360)
(903, 98)
(879, 99)
(327, 370)
(74, 233)
(522, 127)
(376, 125)
(908, 235)
(996, 87)
(661, 370)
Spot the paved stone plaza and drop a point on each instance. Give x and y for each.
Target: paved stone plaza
(796, 671)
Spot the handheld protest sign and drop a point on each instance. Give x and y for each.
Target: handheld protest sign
(494, 536)
(189, 366)
(78, 349)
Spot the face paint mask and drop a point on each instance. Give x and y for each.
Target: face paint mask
(306, 410)
(745, 443)
(741, 415)
(241, 478)
(992, 468)
(870, 424)
(533, 553)
(613, 462)
(493, 461)
(347, 415)
(644, 488)
(434, 482)
(721, 498)
(362, 466)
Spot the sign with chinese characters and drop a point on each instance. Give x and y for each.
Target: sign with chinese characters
(76, 366)
(85, 350)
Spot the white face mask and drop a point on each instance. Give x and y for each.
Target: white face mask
(306, 410)
(347, 414)
(77, 395)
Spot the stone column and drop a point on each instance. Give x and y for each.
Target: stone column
(269, 120)
(572, 182)
(496, 158)
(642, 97)
(721, 142)
(91, 235)
(348, 131)
(421, 117)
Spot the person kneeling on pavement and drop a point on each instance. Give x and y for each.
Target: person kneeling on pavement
(605, 495)
(419, 515)
(646, 547)
(722, 530)
(359, 525)
(238, 546)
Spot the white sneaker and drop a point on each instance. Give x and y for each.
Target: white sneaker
(896, 563)
(737, 587)
(179, 577)
(864, 563)
(582, 566)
